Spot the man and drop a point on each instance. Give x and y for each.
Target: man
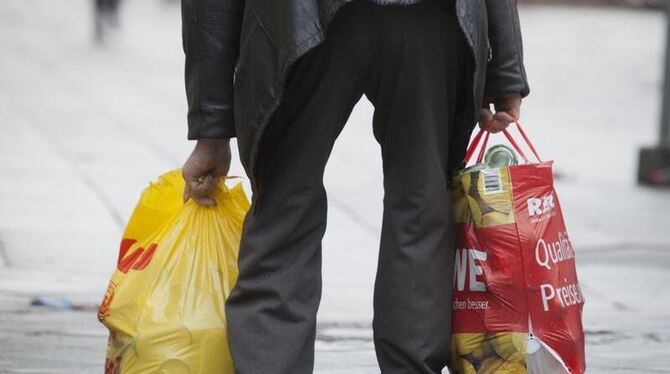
(283, 76)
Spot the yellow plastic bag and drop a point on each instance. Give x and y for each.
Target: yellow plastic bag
(164, 306)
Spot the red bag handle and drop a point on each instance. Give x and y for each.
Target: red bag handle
(486, 132)
(480, 157)
(527, 140)
(473, 146)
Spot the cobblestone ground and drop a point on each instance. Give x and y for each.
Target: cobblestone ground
(84, 127)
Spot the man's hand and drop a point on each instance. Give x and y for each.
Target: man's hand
(209, 161)
(508, 109)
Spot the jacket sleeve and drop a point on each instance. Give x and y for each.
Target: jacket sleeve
(505, 72)
(211, 38)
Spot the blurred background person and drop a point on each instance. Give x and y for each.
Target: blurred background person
(105, 17)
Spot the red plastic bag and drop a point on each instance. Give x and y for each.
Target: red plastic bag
(517, 305)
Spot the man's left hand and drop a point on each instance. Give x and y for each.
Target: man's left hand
(507, 111)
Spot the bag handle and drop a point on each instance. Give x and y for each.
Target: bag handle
(486, 132)
(527, 140)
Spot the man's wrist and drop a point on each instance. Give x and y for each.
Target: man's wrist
(213, 143)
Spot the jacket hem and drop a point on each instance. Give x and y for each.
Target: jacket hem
(395, 2)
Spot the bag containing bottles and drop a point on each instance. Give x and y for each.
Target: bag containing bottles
(517, 305)
(164, 306)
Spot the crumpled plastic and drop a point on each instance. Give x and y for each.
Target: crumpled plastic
(164, 306)
(517, 305)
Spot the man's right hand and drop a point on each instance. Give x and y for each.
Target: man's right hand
(209, 161)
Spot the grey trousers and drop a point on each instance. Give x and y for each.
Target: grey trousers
(410, 62)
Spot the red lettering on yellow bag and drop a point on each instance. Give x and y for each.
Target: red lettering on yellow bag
(103, 310)
(113, 366)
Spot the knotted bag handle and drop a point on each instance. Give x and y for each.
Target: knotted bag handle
(486, 132)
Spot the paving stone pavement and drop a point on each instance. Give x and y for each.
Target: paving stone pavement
(84, 128)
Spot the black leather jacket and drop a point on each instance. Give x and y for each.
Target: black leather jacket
(238, 54)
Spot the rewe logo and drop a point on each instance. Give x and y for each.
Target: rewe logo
(467, 263)
(541, 205)
(137, 259)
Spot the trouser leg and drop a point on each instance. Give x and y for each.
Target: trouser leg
(416, 93)
(272, 310)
